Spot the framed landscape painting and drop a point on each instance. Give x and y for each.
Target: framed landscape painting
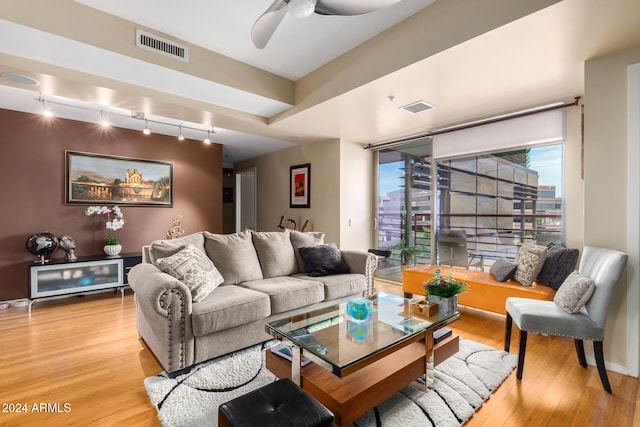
(101, 179)
(300, 186)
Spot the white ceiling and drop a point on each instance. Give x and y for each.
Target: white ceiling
(533, 60)
(299, 45)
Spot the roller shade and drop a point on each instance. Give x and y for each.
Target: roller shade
(522, 132)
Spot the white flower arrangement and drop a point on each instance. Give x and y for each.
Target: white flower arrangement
(112, 224)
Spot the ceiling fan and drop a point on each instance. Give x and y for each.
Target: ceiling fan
(266, 24)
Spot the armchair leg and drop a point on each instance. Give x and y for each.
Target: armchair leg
(597, 350)
(521, 352)
(580, 351)
(507, 333)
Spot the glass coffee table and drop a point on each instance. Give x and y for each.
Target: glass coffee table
(357, 364)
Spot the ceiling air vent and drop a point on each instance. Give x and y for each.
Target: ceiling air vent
(157, 44)
(417, 107)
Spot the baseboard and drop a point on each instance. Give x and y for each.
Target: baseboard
(615, 367)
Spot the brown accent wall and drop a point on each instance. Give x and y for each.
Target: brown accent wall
(32, 158)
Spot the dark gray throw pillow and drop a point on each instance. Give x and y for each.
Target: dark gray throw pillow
(503, 269)
(559, 264)
(323, 260)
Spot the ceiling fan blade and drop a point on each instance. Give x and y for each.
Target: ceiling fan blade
(353, 7)
(266, 24)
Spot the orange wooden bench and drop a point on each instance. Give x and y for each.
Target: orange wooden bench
(485, 292)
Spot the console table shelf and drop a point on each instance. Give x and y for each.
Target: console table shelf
(58, 277)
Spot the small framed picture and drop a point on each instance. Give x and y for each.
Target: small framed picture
(227, 195)
(300, 186)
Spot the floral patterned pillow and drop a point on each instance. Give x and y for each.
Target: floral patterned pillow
(194, 269)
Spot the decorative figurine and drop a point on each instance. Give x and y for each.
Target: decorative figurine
(176, 229)
(69, 246)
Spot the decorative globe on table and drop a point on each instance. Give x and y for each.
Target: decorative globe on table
(41, 245)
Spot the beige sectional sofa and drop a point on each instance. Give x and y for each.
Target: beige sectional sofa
(205, 295)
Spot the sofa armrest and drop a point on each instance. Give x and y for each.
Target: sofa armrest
(152, 286)
(362, 263)
(163, 315)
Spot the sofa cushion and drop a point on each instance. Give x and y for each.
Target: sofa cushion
(300, 239)
(226, 307)
(529, 260)
(167, 247)
(275, 253)
(287, 293)
(323, 260)
(234, 255)
(194, 269)
(574, 292)
(560, 262)
(503, 269)
(339, 285)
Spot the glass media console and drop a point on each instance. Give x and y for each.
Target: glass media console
(58, 277)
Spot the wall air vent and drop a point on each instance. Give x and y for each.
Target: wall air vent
(157, 44)
(417, 107)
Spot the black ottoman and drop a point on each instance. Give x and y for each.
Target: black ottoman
(279, 404)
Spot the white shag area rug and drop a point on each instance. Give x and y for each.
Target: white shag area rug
(462, 383)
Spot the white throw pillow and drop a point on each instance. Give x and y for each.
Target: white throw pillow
(574, 292)
(194, 269)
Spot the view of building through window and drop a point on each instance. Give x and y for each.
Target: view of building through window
(485, 206)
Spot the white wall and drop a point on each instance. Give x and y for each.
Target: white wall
(606, 181)
(273, 187)
(356, 196)
(341, 191)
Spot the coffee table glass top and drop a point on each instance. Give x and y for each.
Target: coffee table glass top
(334, 337)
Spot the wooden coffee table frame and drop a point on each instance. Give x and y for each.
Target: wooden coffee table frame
(353, 395)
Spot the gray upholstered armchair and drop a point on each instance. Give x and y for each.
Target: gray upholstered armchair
(603, 267)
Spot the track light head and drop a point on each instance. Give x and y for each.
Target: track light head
(45, 111)
(103, 120)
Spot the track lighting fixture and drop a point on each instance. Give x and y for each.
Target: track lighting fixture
(105, 115)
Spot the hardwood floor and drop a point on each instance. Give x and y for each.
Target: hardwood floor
(79, 361)
(84, 352)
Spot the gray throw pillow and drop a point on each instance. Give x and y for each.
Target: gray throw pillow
(323, 260)
(559, 264)
(275, 253)
(574, 292)
(234, 255)
(190, 266)
(529, 260)
(503, 269)
(300, 239)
